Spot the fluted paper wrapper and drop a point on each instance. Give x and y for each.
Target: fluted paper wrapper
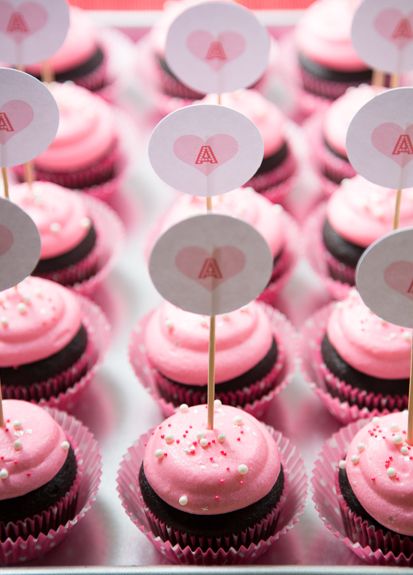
(234, 549)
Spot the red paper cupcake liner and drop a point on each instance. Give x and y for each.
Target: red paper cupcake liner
(319, 258)
(65, 389)
(172, 87)
(85, 276)
(369, 543)
(28, 547)
(98, 78)
(238, 549)
(275, 177)
(351, 403)
(284, 334)
(323, 88)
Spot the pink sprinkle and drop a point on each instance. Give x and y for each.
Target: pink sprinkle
(242, 432)
(217, 498)
(221, 480)
(373, 478)
(163, 436)
(211, 459)
(178, 441)
(238, 439)
(241, 482)
(169, 425)
(213, 441)
(228, 469)
(28, 474)
(190, 427)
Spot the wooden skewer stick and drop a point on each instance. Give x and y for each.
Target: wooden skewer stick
(410, 404)
(5, 183)
(396, 218)
(47, 73)
(378, 78)
(29, 174)
(394, 81)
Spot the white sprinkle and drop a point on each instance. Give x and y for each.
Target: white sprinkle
(242, 469)
(189, 449)
(221, 437)
(17, 424)
(85, 223)
(394, 427)
(238, 420)
(22, 308)
(169, 325)
(342, 464)
(200, 435)
(169, 438)
(4, 321)
(391, 472)
(159, 453)
(18, 445)
(217, 403)
(355, 459)
(203, 442)
(404, 449)
(183, 500)
(361, 447)
(376, 419)
(183, 408)
(65, 445)
(4, 473)
(406, 336)
(397, 439)
(204, 323)
(55, 227)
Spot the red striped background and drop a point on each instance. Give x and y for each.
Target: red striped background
(157, 4)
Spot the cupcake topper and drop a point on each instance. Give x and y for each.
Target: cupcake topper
(217, 47)
(382, 34)
(380, 142)
(384, 278)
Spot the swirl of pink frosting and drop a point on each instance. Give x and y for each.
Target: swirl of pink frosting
(324, 35)
(209, 472)
(59, 214)
(33, 448)
(244, 204)
(368, 343)
(342, 111)
(264, 114)
(177, 343)
(361, 212)
(37, 319)
(79, 45)
(379, 467)
(86, 130)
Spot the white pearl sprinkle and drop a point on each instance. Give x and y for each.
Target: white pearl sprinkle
(17, 424)
(238, 420)
(183, 500)
(394, 427)
(342, 464)
(203, 442)
(376, 419)
(200, 435)
(404, 449)
(65, 445)
(242, 469)
(169, 438)
(361, 447)
(204, 323)
(406, 336)
(159, 453)
(4, 473)
(184, 408)
(391, 472)
(355, 459)
(397, 439)
(18, 445)
(217, 403)
(4, 321)
(85, 223)
(221, 437)
(22, 308)
(55, 227)
(169, 325)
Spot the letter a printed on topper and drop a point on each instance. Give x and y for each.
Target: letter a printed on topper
(403, 30)
(210, 269)
(17, 23)
(403, 145)
(206, 156)
(5, 124)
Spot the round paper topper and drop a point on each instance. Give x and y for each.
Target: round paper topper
(32, 31)
(29, 117)
(19, 244)
(382, 34)
(210, 264)
(217, 47)
(205, 150)
(384, 277)
(380, 139)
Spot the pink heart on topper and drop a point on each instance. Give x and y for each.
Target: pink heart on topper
(22, 22)
(216, 51)
(394, 142)
(208, 270)
(395, 27)
(206, 155)
(399, 277)
(15, 115)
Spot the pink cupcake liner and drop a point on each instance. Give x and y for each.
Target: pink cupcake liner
(275, 177)
(316, 254)
(280, 194)
(323, 88)
(26, 548)
(85, 276)
(172, 87)
(369, 543)
(176, 550)
(64, 390)
(352, 403)
(284, 334)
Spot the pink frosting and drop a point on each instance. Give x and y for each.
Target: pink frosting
(379, 466)
(33, 448)
(37, 319)
(59, 214)
(324, 35)
(361, 212)
(86, 130)
(244, 204)
(177, 343)
(341, 112)
(79, 45)
(264, 114)
(368, 343)
(238, 464)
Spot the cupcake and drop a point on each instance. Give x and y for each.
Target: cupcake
(39, 472)
(271, 221)
(86, 153)
(252, 361)
(50, 471)
(73, 229)
(47, 349)
(209, 496)
(81, 59)
(275, 177)
(359, 360)
(328, 63)
(328, 132)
